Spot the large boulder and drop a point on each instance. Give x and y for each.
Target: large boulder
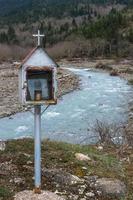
(60, 177)
(111, 187)
(30, 195)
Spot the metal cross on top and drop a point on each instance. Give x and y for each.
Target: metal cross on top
(39, 37)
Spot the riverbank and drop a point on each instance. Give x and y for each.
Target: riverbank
(98, 172)
(115, 67)
(9, 103)
(121, 67)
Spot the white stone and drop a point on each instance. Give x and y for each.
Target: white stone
(27, 155)
(2, 146)
(85, 168)
(100, 148)
(75, 179)
(90, 194)
(81, 190)
(82, 157)
(30, 195)
(18, 180)
(99, 193)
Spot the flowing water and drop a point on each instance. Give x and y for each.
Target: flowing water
(101, 97)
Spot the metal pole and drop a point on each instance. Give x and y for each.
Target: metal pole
(37, 146)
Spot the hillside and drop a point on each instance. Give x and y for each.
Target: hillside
(68, 25)
(51, 8)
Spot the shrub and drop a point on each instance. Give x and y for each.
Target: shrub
(5, 193)
(110, 134)
(130, 81)
(113, 73)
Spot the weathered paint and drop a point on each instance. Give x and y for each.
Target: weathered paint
(37, 60)
(37, 145)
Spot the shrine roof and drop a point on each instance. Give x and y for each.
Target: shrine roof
(38, 57)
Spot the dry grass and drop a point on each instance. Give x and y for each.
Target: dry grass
(77, 47)
(12, 52)
(67, 49)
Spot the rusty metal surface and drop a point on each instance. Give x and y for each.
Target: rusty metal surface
(27, 57)
(46, 102)
(37, 190)
(39, 68)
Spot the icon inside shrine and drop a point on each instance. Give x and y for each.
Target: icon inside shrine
(39, 85)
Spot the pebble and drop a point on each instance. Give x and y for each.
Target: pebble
(90, 194)
(100, 148)
(2, 146)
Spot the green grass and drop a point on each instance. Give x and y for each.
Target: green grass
(130, 82)
(59, 155)
(5, 193)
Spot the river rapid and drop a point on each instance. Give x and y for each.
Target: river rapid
(100, 97)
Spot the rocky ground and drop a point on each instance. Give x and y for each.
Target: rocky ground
(72, 172)
(30, 195)
(9, 103)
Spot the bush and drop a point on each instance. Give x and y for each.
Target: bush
(110, 134)
(130, 81)
(113, 73)
(5, 193)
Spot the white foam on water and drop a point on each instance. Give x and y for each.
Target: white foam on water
(87, 69)
(22, 137)
(73, 69)
(83, 97)
(80, 110)
(93, 105)
(21, 129)
(77, 112)
(86, 89)
(105, 106)
(112, 90)
(51, 114)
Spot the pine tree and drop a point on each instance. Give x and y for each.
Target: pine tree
(74, 24)
(11, 35)
(3, 37)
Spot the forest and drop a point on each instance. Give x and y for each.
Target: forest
(98, 27)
